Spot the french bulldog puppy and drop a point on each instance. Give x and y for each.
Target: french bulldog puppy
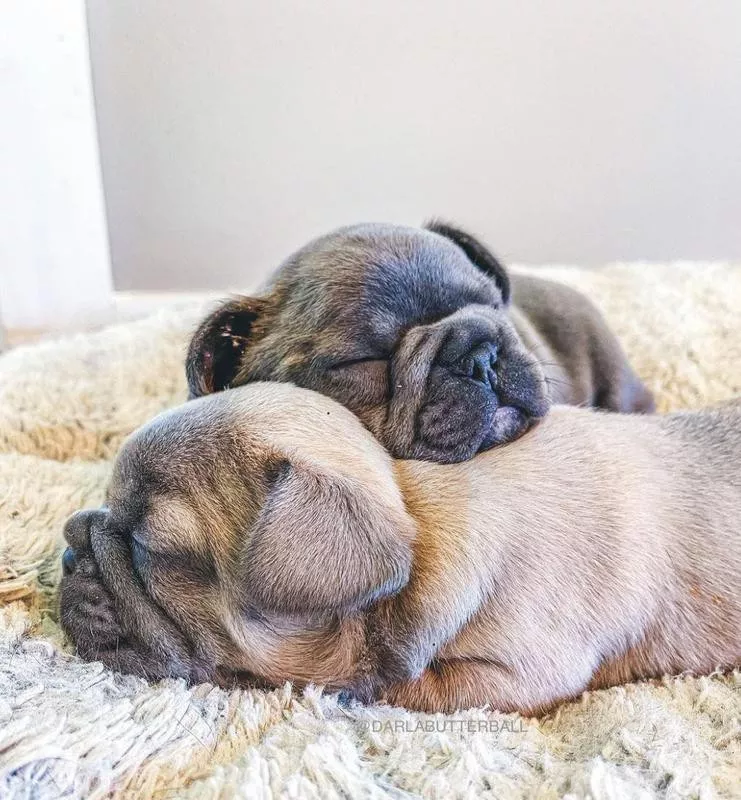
(263, 534)
(424, 335)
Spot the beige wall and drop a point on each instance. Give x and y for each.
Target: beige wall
(233, 130)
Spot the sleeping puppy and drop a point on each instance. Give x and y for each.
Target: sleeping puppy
(424, 335)
(263, 534)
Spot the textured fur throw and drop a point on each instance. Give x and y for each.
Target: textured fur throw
(70, 729)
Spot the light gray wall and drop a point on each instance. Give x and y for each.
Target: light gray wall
(580, 131)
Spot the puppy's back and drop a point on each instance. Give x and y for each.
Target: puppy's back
(595, 535)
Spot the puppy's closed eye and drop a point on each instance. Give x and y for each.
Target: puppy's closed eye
(360, 383)
(182, 565)
(355, 362)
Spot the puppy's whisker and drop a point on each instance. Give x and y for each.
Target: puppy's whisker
(554, 364)
(559, 382)
(534, 349)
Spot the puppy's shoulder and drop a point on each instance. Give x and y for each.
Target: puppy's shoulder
(575, 422)
(534, 294)
(714, 429)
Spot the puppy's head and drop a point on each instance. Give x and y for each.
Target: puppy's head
(408, 328)
(227, 521)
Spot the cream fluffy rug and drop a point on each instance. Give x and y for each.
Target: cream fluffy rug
(70, 729)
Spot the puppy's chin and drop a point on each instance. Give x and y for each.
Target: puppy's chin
(508, 424)
(460, 420)
(522, 401)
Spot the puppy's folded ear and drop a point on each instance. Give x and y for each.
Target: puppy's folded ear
(216, 349)
(324, 542)
(478, 254)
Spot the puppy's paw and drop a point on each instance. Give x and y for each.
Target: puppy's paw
(345, 699)
(364, 690)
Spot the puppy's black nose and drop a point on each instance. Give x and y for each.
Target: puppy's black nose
(69, 562)
(480, 364)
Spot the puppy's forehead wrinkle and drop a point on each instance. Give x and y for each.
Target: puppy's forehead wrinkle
(186, 447)
(356, 291)
(396, 264)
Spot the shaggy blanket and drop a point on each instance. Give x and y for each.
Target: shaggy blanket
(72, 729)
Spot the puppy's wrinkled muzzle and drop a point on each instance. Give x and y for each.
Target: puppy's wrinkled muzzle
(78, 558)
(77, 529)
(107, 614)
(462, 385)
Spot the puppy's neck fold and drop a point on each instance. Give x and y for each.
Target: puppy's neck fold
(328, 651)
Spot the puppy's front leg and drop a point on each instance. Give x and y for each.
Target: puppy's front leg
(404, 633)
(447, 586)
(450, 685)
